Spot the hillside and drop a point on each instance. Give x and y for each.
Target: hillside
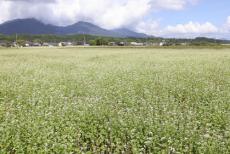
(33, 26)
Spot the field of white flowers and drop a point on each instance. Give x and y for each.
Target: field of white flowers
(104, 100)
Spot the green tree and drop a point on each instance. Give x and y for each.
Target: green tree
(21, 42)
(92, 42)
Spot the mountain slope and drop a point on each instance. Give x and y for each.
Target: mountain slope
(128, 33)
(26, 26)
(85, 28)
(33, 26)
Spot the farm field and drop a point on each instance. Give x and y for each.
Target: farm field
(114, 100)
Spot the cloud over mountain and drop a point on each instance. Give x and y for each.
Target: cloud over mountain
(139, 15)
(107, 13)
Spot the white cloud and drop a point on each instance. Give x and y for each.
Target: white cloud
(116, 14)
(187, 30)
(150, 27)
(192, 27)
(5, 13)
(228, 20)
(106, 13)
(227, 25)
(172, 4)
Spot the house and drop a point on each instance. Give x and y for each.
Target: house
(155, 44)
(53, 44)
(27, 45)
(3, 44)
(184, 44)
(45, 44)
(14, 44)
(36, 44)
(63, 44)
(112, 43)
(136, 44)
(121, 44)
(162, 44)
(69, 43)
(148, 44)
(78, 43)
(86, 45)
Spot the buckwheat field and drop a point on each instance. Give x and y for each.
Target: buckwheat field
(114, 100)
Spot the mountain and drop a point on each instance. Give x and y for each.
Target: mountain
(128, 33)
(26, 26)
(85, 28)
(33, 26)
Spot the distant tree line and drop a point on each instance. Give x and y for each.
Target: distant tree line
(100, 40)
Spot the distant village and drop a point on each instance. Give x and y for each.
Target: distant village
(72, 44)
(87, 40)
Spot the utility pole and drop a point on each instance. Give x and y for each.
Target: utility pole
(84, 40)
(16, 40)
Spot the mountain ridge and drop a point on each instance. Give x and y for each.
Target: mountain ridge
(36, 27)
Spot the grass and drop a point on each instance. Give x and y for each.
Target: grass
(94, 100)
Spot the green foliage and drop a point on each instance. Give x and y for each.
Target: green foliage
(21, 42)
(100, 40)
(37, 41)
(92, 42)
(111, 100)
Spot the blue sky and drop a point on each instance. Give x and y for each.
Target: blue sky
(168, 18)
(205, 10)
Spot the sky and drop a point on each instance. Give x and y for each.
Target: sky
(166, 18)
